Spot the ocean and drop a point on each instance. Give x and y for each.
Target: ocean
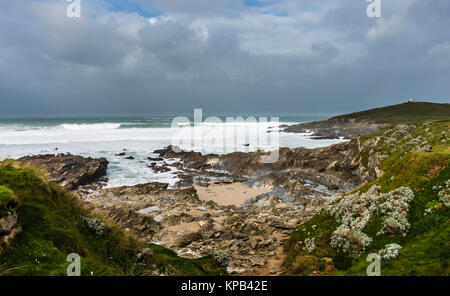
(140, 136)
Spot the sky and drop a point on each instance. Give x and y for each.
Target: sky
(147, 57)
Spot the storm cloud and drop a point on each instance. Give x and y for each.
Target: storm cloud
(225, 56)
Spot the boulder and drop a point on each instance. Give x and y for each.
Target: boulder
(186, 238)
(8, 222)
(70, 171)
(9, 229)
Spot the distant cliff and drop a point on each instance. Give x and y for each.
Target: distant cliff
(369, 121)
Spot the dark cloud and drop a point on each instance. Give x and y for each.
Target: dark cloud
(286, 56)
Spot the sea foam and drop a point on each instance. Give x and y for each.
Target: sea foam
(106, 139)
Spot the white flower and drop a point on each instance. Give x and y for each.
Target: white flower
(390, 251)
(444, 194)
(354, 211)
(310, 245)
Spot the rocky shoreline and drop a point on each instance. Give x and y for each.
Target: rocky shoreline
(335, 128)
(70, 171)
(253, 217)
(247, 236)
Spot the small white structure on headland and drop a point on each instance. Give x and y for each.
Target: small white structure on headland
(411, 101)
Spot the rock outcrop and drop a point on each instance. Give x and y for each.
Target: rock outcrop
(337, 167)
(70, 171)
(9, 229)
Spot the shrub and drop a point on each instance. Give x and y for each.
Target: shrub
(390, 251)
(97, 226)
(354, 212)
(444, 194)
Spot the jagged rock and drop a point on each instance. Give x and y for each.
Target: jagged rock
(8, 230)
(70, 171)
(280, 225)
(178, 219)
(8, 222)
(140, 189)
(7, 239)
(155, 158)
(160, 169)
(186, 239)
(185, 181)
(207, 234)
(337, 166)
(253, 242)
(259, 262)
(194, 227)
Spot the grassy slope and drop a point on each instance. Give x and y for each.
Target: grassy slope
(403, 113)
(52, 229)
(426, 249)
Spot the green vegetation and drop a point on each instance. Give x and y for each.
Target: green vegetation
(425, 249)
(403, 113)
(401, 149)
(7, 200)
(170, 264)
(53, 227)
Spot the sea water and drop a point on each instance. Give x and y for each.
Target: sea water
(136, 136)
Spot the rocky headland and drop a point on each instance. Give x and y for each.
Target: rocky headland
(335, 128)
(366, 122)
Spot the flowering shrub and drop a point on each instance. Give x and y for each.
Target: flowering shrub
(444, 194)
(428, 211)
(396, 223)
(394, 210)
(350, 241)
(390, 251)
(353, 212)
(432, 207)
(95, 225)
(310, 245)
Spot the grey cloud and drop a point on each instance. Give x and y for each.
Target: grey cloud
(290, 56)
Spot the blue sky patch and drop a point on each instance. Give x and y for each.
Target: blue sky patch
(144, 9)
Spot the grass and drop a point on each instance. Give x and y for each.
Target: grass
(170, 264)
(320, 227)
(413, 170)
(7, 200)
(425, 248)
(402, 165)
(52, 229)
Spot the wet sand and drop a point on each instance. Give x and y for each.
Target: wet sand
(229, 194)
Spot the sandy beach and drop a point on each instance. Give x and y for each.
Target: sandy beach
(229, 194)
